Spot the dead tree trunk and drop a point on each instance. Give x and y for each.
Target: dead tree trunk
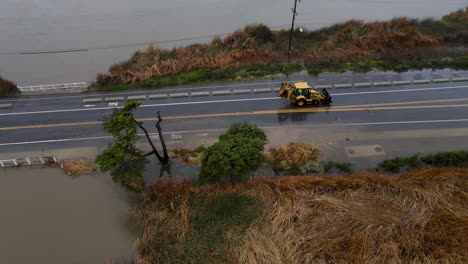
(163, 143)
(164, 159)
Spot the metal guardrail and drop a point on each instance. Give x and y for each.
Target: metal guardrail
(65, 86)
(12, 163)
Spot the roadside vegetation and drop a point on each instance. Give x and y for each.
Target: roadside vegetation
(256, 51)
(418, 217)
(442, 159)
(8, 88)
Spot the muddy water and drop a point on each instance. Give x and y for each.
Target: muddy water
(27, 25)
(48, 217)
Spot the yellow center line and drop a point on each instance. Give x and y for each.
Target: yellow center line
(308, 110)
(406, 103)
(368, 107)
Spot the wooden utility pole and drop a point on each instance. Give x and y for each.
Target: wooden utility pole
(291, 33)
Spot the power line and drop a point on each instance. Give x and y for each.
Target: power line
(37, 52)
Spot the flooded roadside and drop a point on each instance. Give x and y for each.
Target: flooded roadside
(48, 217)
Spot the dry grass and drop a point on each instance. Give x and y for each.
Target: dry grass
(79, 167)
(419, 217)
(293, 157)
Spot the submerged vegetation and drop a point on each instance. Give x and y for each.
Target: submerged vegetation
(399, 44)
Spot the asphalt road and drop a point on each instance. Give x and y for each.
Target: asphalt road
(62, 121)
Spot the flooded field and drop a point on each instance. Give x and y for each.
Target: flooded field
(49, 218)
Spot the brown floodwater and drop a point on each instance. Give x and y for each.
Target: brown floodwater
(101, 25)
(49, 218)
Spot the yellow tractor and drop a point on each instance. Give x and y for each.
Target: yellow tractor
(301, 93)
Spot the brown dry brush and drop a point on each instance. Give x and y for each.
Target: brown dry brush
(79, 167)
(257, 45)
(419, 217)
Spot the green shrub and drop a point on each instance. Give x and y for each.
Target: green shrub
(247, 131)
(328, 166)
(442, 159)
(447, 159)
(343, 167)
(395, 165)
(8, 88)
(237, 153)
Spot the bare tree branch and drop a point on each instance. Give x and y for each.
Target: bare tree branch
(149, 153)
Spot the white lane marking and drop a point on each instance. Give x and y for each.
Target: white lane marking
(151, 105)
(141, 91)
(263, 127)
(230, 100)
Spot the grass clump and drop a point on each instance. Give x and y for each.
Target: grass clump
(419, 216)
(186, 224)
(442, 159)
(8, 88)
(293, 159)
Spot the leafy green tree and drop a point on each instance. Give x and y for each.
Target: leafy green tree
(237, 153)
(122, 158)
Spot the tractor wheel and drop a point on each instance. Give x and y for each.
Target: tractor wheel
(315, 102)
(301, 103)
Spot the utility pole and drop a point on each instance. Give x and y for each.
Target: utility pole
(291, 32)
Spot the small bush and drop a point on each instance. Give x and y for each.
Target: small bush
(8, 88)
(237, 153)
